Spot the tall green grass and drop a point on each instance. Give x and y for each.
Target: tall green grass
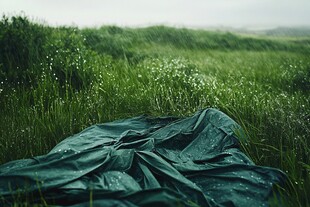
(54, 82)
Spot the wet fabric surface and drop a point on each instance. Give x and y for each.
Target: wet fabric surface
(143, 161)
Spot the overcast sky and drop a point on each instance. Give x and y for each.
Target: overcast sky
(190, 13)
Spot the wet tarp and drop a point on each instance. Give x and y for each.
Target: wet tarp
(143, 161)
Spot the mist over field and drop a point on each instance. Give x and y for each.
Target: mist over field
(254, 14)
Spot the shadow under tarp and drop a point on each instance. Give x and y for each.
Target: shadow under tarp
(143, 161)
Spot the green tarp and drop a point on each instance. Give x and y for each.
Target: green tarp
(143, 161)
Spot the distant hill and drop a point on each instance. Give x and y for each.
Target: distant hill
(289, 31)
(274, 32)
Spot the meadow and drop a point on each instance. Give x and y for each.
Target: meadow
(56, 81)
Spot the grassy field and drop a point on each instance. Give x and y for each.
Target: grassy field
(54, 82)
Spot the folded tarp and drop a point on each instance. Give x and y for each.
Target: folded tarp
(143, 161)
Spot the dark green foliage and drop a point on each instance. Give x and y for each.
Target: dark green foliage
(66, 58)
(295, 76)
(112, 41)
(30, 52)
(118, 42)
(301, 80)
(199, 39)
(182, 38)
(22, 44)
(105, 43)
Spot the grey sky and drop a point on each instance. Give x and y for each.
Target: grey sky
(194, 13)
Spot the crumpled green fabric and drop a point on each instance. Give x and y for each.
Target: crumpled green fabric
(144, 161)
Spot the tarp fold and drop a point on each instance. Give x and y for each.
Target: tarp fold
(144, 161)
